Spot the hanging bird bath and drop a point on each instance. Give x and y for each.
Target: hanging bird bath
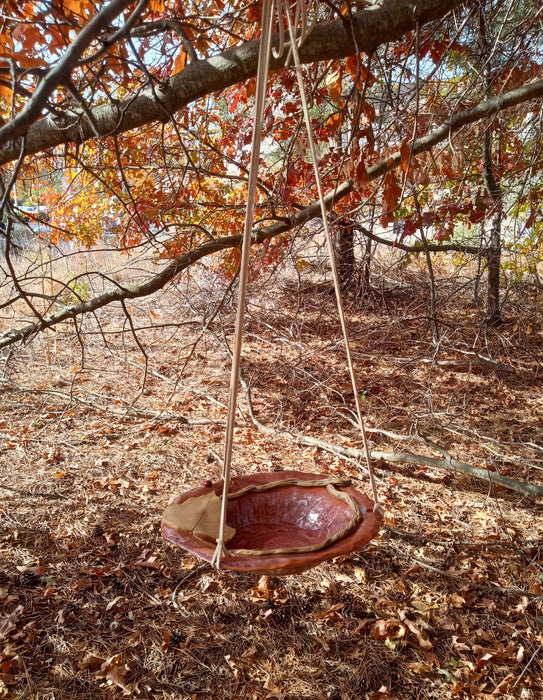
(279, 522)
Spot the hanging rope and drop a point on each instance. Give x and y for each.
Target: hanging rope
(282, 9)
(261, 81)
(294, 45)
(263, 67)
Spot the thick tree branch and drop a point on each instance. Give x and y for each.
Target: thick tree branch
(376, 25)
(484, 109)
(447, 461)
(418, 248)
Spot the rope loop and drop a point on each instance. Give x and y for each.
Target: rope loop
(281, 9)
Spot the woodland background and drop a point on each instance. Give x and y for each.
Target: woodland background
(124, 149)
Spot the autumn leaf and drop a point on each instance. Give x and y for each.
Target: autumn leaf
(116, 671)
(254, 13)
(9, 622)
(181, 60)
(360, 174)
(199, 515)
(156, 5)
(391, 197)
(382, 629)
(405, 153)
(335, 121)
(334, 84)
(422, 638)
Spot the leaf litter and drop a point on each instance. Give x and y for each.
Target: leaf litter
(446, 603)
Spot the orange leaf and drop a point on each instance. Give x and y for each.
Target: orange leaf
(335, 121)
(405, 154)
(333, 84)
(382, 629)
(254, 13)
(391, 197)
(360, 175)
(355, 68)
(180, 61)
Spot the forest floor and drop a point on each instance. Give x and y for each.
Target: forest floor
(97, 437)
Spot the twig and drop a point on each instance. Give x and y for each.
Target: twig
(422, 538)
(186, 578)
(532, 657)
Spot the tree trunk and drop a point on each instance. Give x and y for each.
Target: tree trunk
(493, 258)
(493, 246)
(345, 256)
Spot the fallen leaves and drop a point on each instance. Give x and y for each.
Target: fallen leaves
(112, 669)
(113, 609)
(9, 622)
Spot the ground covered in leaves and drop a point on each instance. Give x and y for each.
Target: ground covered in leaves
(101, 429)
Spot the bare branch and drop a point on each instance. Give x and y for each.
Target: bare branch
(313, 211)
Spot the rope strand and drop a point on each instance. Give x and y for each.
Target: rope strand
(261, 81)
(263, 67)
(294, 48)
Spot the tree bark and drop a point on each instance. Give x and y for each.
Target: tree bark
(493, 247)
(345, 256)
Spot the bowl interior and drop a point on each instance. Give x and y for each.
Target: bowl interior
(285, 517)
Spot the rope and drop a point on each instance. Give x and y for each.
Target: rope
(283, 8)
(263, 67)
(294, 45)
(261, 80)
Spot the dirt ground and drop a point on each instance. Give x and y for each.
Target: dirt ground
(100, 430)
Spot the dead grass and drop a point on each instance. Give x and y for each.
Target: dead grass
(93, 604)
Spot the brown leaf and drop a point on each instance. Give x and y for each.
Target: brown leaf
(381, 629)
(91, 661)
(250, 653)
(9, 623)
(166, 638)
(422, 638)
(447, 623)
(332, 612)
(115, 671)
(275, 690)
(200, 515)
(391, 197)
(6, 598)
(405, 153)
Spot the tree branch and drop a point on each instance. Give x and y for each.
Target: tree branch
(260, 235)
(58, 75)
(370, 28)
(432, 247)
(447, 462)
